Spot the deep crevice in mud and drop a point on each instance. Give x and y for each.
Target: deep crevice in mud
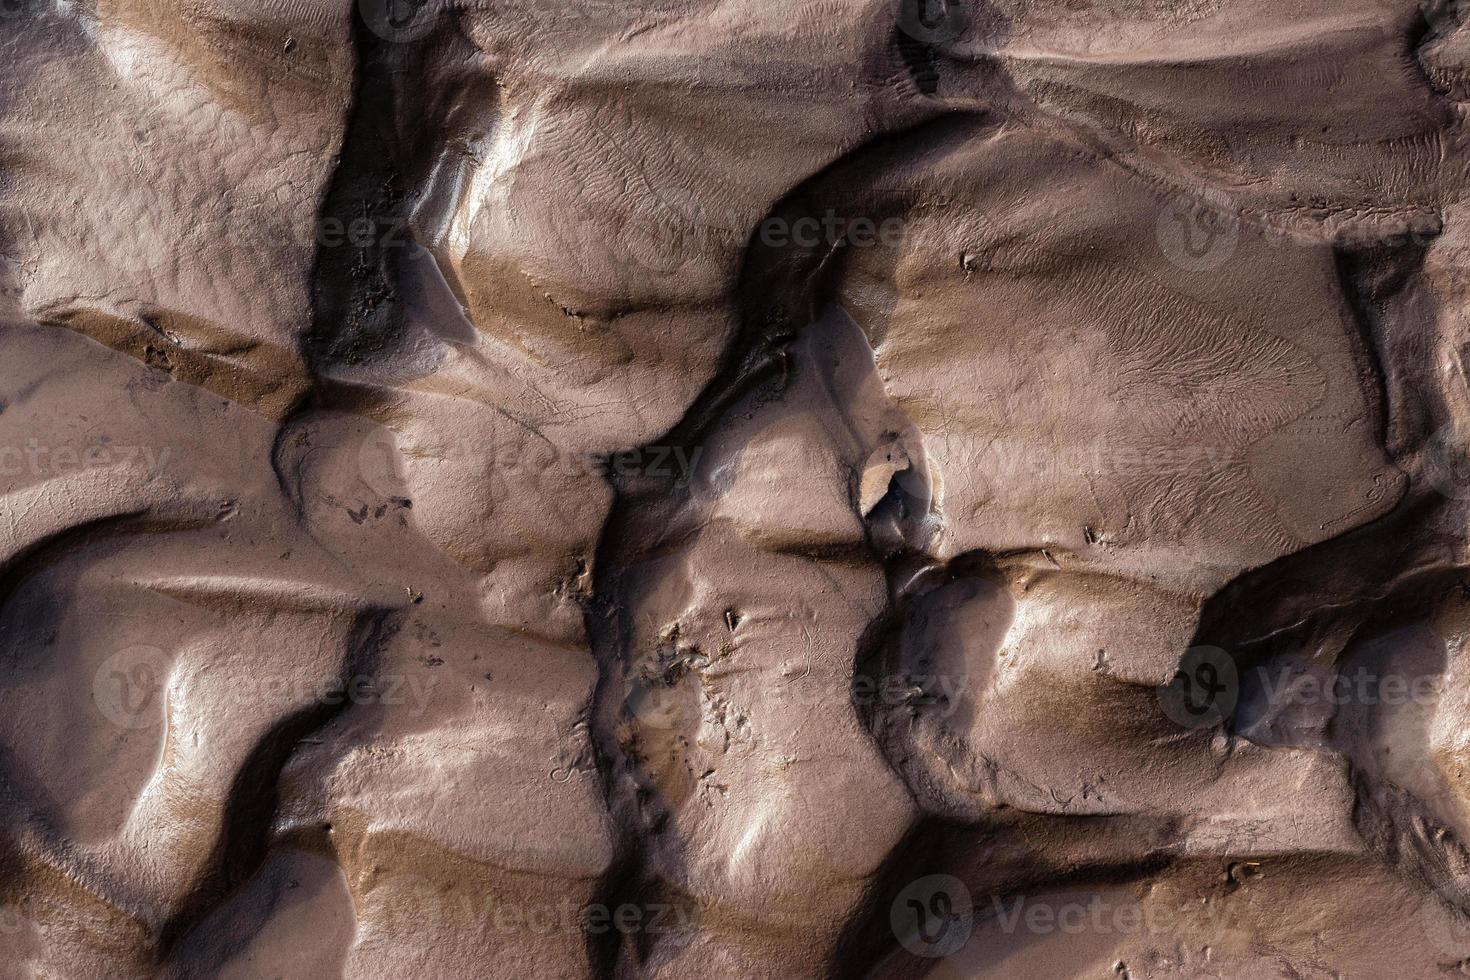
(251, 801)
(414, 102)
(1379, 630)
(1273, 609)
(781, 290)
(1364, 599)
(996, 863)
(1367, 564)
(363, 238)
(920, 60)
(1377, 284)
(355, 312)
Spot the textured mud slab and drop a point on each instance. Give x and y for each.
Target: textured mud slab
(667, 488)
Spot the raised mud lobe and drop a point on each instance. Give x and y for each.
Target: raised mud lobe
(661, 488)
